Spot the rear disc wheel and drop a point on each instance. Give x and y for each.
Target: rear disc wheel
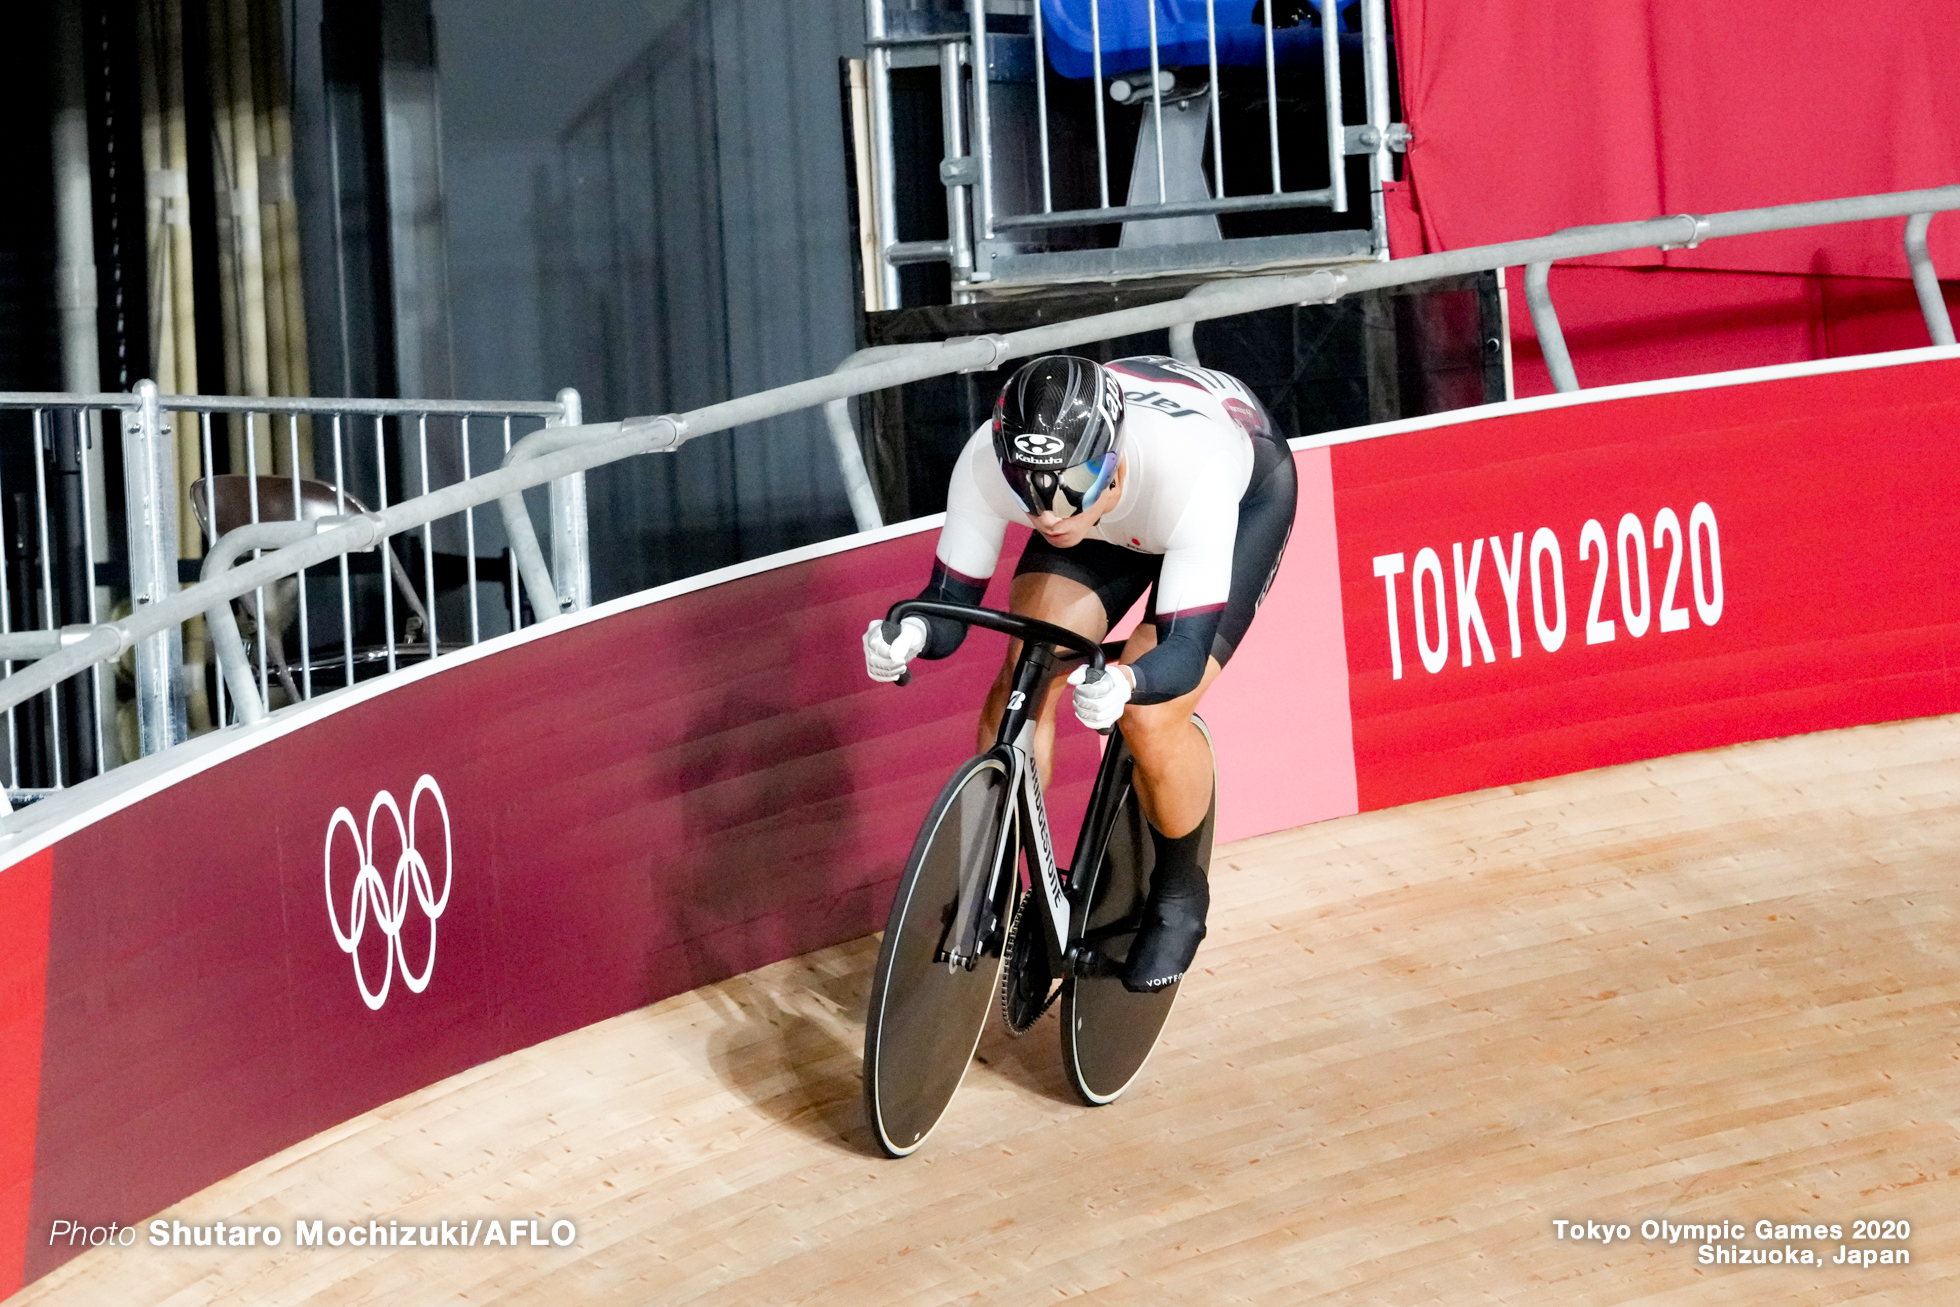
(1108, 1032)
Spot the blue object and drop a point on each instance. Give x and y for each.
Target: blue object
(1180, 35)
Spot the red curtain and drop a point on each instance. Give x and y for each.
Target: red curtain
(1533, 115)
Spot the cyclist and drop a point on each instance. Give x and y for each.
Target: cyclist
(1142, 474)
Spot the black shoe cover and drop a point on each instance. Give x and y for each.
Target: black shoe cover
(1174, 916)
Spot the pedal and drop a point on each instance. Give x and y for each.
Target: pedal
(952, 960)
(1092, 963)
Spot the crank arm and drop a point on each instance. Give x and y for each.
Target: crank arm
(1092, 963)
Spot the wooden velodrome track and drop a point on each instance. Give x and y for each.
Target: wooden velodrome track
(1717, 987)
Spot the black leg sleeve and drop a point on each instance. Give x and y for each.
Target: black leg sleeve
(1174, 916)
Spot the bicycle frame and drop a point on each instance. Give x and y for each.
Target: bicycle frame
(970, 927)
(1016, 739)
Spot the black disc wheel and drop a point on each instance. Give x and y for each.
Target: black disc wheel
(926, 1011)
(1027, 982)
(1108, 1032)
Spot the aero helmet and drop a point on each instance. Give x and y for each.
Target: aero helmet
(1058, 433)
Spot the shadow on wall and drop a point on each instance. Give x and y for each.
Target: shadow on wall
(761, 800)
(766, 810)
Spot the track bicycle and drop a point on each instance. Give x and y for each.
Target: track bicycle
(968, 925)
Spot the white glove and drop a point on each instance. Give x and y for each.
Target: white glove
(1100, 702)
(886, 662)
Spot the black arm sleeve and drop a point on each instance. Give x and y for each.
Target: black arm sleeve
(1177, 664)
(948, 586)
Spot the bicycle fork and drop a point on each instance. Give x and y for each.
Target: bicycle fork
(977, 919)
(1032, 814)
(988, 890)
(985, 894)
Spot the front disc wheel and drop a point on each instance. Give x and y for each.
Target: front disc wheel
(926, 1013)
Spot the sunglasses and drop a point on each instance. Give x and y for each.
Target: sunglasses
(1063, 493)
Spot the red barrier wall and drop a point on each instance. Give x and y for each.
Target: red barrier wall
(23, 970)
(1832, 511)
(682, 786)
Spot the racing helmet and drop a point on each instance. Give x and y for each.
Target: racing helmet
(1058, 432)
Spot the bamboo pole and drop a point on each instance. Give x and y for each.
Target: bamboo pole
(256, 374)
(173, 309)
(277, 179)
(165, 65)
(159, 195)
(259, 58)
(183, 292)
(241, 246)
(224, 180)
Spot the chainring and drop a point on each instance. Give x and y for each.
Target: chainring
(1027, 983)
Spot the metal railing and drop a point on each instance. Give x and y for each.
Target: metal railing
(290, 458)
(566, 451)
(55, 537)
(351, 451)
(1167, 178)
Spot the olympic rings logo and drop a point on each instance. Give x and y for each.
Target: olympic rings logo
(387, 903)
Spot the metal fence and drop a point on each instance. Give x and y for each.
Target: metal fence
(76, 553)
(556, 455)
(1168, 59)
(52, 494)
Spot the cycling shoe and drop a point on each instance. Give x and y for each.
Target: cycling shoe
(1165, 946)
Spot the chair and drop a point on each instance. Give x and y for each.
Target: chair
(229, 499)
(1183, 31)
(1181, 34)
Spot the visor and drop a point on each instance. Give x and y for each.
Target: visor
(1064, 493)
